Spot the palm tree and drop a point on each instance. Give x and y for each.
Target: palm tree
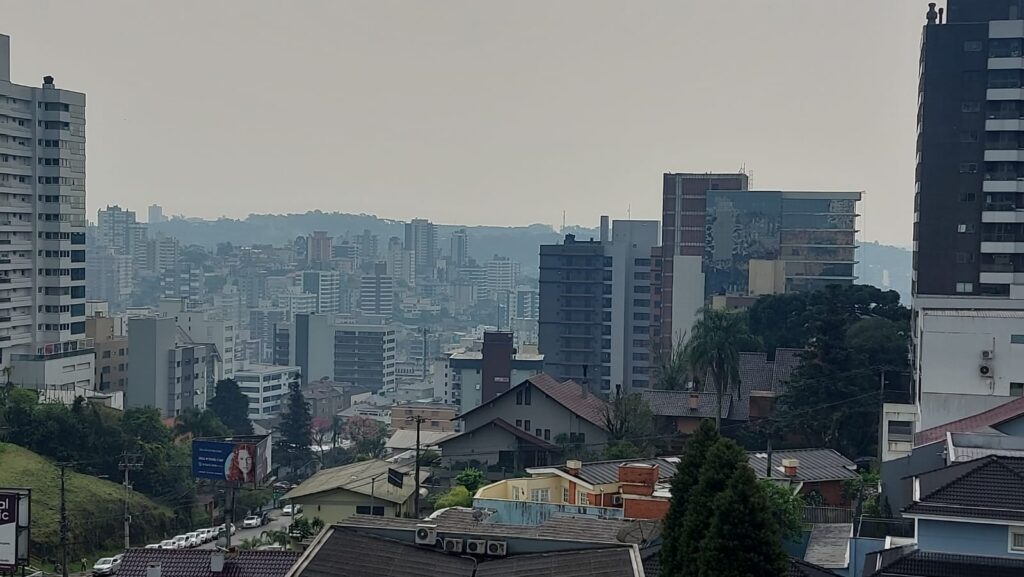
(714, 348)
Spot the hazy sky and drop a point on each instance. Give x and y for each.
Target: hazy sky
(480, 112)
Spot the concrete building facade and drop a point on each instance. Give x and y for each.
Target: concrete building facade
(162, 373)
(266, 386)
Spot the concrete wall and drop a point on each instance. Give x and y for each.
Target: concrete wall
(529, 513)
(631, 240)
(965, 538)
(149, 343)
(687, 294)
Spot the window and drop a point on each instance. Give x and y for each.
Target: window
(538, 433)
(519, 423)
(967, 196)
(540, 495)
(641, 289)
(901, 430)
(519, 397)
(972, 45)
(965, 228)
(526, 395)
(1017, 339)
(964, 287)
(970, 106)
(581, 498)
(964, 257)
(1017, 539)
(1017, 389)
(565, 494)
(547, 434)
(526, 425)
(366, 510)
(968, 167)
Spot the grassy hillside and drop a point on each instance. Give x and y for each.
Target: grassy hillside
(95, 507)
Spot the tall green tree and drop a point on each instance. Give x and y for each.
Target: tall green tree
(630, 424)
(296, 429)
(232, 407)
(199, 423)
(714, 348)
(742, 538)
(672, 372)
(685, 479)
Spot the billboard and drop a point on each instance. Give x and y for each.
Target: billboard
(14, 528)
(241, 460)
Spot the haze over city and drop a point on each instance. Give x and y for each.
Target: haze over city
(472, 112)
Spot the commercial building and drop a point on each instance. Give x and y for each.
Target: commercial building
(325, 346)
(377, 292)
(421, 240)
(162, 373)
(679, 285)
(266, 386)
(42, 223)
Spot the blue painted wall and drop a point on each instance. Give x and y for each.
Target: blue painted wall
(533, 513)
(861, 547)
(967, 538)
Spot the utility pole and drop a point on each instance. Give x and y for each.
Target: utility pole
(63, 525)
(416, 499)
(129, 462)
(424, 353)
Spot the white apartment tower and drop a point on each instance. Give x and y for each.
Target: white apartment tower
(502, 276)
(42, 226)
(421, 239)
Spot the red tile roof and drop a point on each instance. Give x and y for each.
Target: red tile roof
(574, 397)
(993, 416)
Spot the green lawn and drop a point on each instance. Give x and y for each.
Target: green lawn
(95, 508)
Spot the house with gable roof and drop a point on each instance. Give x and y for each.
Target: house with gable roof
(524, 426)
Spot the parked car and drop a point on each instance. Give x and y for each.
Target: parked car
(283, 486)
(251, 522)
(206, 535)
(168, 544)
(180, 541)
(290, 510)
(192, 539)
(153, 546)
(107, 565)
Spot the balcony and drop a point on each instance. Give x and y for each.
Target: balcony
(992, 247)
(1004, 94)
(1009, 154)
(1007, 215)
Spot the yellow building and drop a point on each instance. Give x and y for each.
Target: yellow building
(364, 488)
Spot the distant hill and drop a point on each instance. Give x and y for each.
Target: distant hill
(94, 506)
(880, 265)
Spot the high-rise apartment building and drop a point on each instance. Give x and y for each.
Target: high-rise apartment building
(164, 253)
(502, 276)
(421, 239)
(574, 326)
(112, 224)
(630, 247)
(459, 247)
(377, 292)
(318, 249)
(325, 346)
(42, 229)
(968, 228)
(401, 262)
(368, 245)
(326, 285)
(156, 213)
(678, 291)
(527, 303)
(164, 373)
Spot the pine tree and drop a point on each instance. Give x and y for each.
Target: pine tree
(684, 481)
(742, 539)
(296, 429)
(232, 407)
(721, 462)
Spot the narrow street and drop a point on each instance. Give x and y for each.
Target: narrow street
(277, 522)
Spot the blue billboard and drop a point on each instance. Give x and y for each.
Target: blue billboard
(241, 460)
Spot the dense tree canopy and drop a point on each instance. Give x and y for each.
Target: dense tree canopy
(232, 407)
(713, 350)
(296, 429)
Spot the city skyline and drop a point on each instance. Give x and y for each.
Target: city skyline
(379, 130)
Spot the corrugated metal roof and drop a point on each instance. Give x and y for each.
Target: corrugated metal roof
(814, 464)
(604, 472)
(357, 478)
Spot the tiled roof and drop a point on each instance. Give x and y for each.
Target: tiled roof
(358, 478)
(196, 563)
(994, 490)
(574, 397)
(352, 552)
(979, 422)
(814, 464)
(910, 562)
(603, 472)
(677, 403)
(569, 394)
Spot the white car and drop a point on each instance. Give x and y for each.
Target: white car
(153, 546)
(193, 539)
(180, 541)
(290, 510)
(106, 566)
(251, 522)
(204, 535)
(168, 544)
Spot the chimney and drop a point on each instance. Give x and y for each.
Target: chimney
(216, 562)
(932, 15)
(153, 569)
(694, 401)
(48, 82)
(638, 478)
(790, 467)
(572, 466)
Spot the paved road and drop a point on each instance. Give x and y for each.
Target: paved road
(277, 522)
